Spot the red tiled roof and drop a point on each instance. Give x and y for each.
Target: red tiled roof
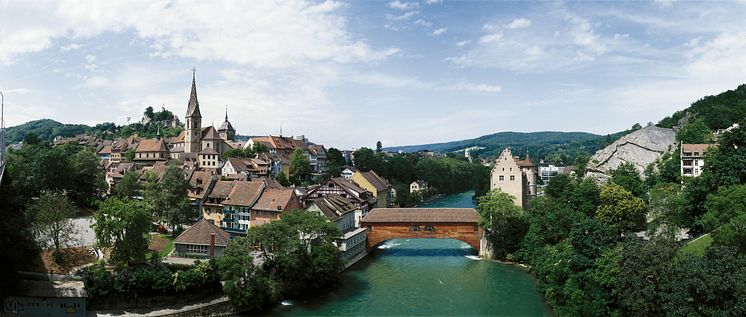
(701, 148)
(275, 199)
(244, 193)
(200, 233)
(152, 145)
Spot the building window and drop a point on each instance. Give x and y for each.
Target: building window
(501, 178)
(512, 177)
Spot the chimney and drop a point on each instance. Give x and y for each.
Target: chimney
(212, 244)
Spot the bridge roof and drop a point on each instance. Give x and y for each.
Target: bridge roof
(422, 215)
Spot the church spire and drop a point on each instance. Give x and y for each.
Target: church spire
(193, 107)
(226, 113)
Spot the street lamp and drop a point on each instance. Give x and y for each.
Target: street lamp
(2, 127)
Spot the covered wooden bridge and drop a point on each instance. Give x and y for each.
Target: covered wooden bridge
(454, 223)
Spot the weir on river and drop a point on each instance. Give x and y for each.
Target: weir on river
(426, 277)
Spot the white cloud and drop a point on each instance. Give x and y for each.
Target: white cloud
(278, 34)
(479, 87)
(423, 23)
(70, 47)
(519, 23)
(399, 5)
(433, 1)
(463, 43)
(490, 38)
(438, 31)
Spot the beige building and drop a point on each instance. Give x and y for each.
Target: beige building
(514, 176)
(693, 159)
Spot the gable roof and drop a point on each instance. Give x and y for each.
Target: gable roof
(275, 199)
(105, 150)
(199, 183)
(200, 233)
(222, 189)
(334, 206)
(244, 193)
(701, 148)
(152, 145)
(377, 181)
(209, 133)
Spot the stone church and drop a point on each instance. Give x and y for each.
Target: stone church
(514, 176)
(196, 140)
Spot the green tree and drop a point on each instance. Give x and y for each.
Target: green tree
(51, 215)
(585, 197)
(626, 175)
(129, 155)
(149, 113)
(365, 159)
(31, 138)
(168, 198)
(88, 183)
(123, 226)
(645, 267)
(695, 132)
(560, 187)
(299, 250)
(504, 222)
(260, 147)
(300, 166)
(666, 209)
(620, 209)
(248, 286)
(335, 156)
(282, 179)
(128, 187)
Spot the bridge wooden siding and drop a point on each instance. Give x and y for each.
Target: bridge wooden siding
(454, 223)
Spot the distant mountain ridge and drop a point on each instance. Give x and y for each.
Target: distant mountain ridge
(537, 144)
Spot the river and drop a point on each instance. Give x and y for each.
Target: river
(433, 277)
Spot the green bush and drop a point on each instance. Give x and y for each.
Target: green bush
(149, 279)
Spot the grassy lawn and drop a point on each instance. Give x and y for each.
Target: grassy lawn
(697, 246)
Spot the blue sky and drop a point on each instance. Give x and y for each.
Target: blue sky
(349, 73)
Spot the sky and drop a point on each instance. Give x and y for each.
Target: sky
(349, 73)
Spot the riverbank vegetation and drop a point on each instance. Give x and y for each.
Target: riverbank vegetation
(582, 247)
(445, 175)
(292, 257)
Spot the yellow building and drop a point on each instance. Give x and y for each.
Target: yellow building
(375, 184)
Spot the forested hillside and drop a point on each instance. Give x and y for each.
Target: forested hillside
(45, 129)
(717, 112)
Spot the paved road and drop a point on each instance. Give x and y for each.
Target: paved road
(86, 236)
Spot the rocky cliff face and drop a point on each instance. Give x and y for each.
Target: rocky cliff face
(640, 148)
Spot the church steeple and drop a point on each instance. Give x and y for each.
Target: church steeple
(226, 131)
(193, 106)
(193, 120)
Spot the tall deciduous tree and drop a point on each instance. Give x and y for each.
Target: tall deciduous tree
(51, 215)
(300, 166)
(626, 175)
(128, 187)
(248, 286)
(365, 159)
(168, 198)
(503, 221)
(620, 209)
(123, 226)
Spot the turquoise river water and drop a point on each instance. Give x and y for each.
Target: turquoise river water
(426, 277)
